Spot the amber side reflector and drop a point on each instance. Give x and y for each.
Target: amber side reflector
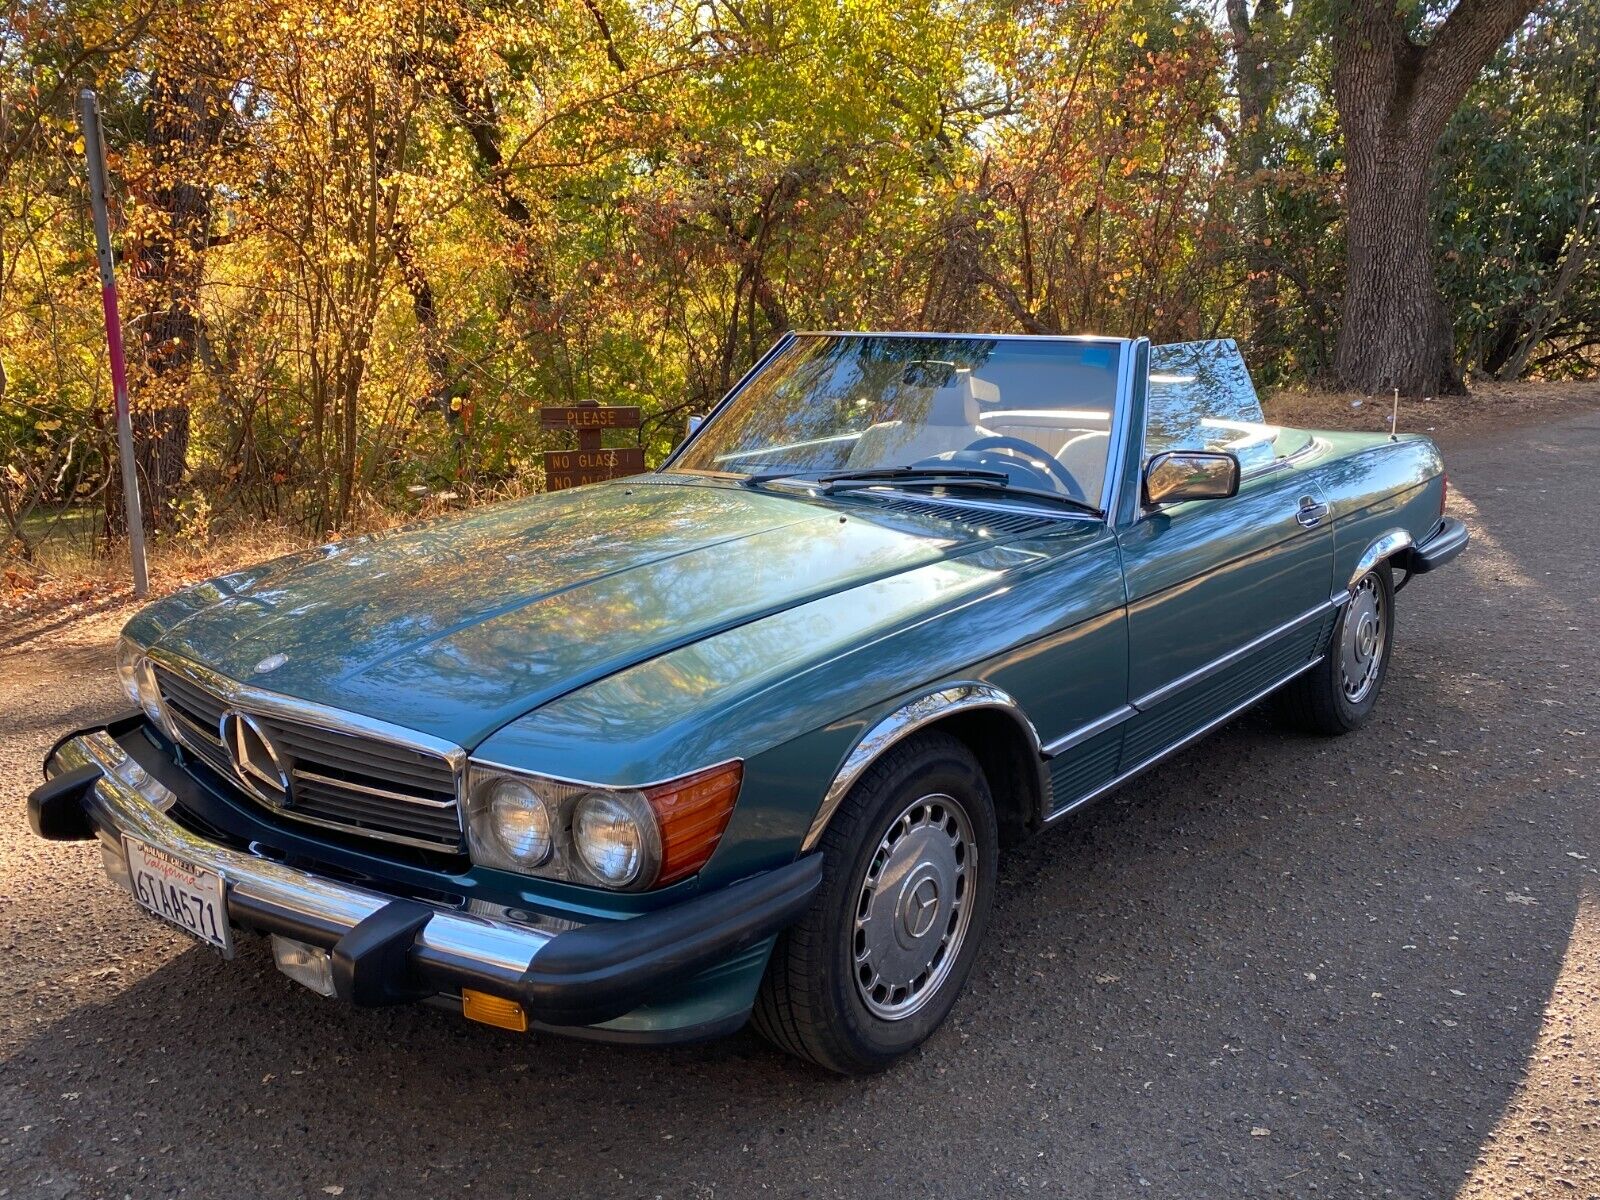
(693, 812)
(493, 1010)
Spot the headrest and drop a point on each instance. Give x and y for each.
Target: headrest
(958, 402)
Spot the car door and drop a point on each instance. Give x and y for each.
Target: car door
(1226, 597)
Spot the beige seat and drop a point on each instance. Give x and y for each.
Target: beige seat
(1084, 458)
(950, 425)
(1079, 449)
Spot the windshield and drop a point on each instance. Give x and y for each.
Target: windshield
(1036, 411)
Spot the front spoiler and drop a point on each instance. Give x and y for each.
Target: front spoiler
(387, 950)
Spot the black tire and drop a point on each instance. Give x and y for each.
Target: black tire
(1320, 701)
(811, 1001)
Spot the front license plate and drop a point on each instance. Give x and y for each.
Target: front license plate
(188, 896)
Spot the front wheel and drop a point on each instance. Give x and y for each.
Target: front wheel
(908, 879)
(1339, 693)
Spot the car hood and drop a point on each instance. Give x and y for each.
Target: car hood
(455, 627)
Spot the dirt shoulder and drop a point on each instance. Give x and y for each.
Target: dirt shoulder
(1487, 408)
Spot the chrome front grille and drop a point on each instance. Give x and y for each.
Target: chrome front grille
(370, 786)
(198, 715)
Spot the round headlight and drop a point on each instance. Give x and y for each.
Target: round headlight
(615, 836)
(520, 822)
(138, 676)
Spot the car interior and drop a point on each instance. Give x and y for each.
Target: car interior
(968, 413)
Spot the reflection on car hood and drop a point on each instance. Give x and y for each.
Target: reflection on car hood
(455, 627)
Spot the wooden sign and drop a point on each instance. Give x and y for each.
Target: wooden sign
(574, 468)
(628, 460)
(584, 416)
(590, 462)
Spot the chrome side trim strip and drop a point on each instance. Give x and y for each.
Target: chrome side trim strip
(905, 720)
(1118, 715)
(1084, 732)
(127, 800)
(1227, 660)
(1390, 543)
(1187, 740)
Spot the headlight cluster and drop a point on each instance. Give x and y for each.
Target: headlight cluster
(625, 839)
(139, 681)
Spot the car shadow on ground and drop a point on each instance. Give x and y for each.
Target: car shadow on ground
(1246, 971)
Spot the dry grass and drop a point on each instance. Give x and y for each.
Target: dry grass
(73, 576)
(68, 581)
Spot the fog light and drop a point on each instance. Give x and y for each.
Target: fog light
(116, 865)
(493, 1010)
(310, 965)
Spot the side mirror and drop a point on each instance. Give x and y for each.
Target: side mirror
(694, 425)
(1190, 475)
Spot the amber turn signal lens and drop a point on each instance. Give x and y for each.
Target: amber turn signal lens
(493, 1010)
(693, 812)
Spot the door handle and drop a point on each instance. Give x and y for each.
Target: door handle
(1311, 511)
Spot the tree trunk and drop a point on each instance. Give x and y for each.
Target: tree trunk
(1395, 332)
(183, 118)
(1395, 97)
(1256, 83)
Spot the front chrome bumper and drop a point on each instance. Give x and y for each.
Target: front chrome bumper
(387, 950)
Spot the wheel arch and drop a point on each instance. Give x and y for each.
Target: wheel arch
(1392, 545)
(987, 720)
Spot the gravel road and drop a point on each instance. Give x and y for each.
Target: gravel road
(1277, 965)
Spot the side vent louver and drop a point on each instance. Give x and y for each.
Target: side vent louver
(997, 523)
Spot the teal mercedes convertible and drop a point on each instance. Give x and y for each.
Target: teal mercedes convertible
(745, 736)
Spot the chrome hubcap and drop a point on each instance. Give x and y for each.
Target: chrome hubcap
(1365, 632)
(914, 907)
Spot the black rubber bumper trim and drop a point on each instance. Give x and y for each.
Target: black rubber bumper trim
(55, 807)
(371, 967)
(601, 971)
(1445, 545)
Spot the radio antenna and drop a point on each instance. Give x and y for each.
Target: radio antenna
(1394, 416)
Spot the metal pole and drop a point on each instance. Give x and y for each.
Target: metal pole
(94, 148)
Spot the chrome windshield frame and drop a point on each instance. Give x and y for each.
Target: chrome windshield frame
(1117, 441)
(761, 364)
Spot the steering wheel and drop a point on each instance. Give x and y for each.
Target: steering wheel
(1033, 457)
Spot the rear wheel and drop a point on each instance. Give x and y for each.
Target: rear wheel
(877, 963)
(1339, 693)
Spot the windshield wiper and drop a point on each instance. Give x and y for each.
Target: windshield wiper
(914, 475)
(972, 477)
(761, 478)
(968, 477)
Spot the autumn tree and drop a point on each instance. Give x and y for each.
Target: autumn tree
(1397, 80)
(170, 178)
